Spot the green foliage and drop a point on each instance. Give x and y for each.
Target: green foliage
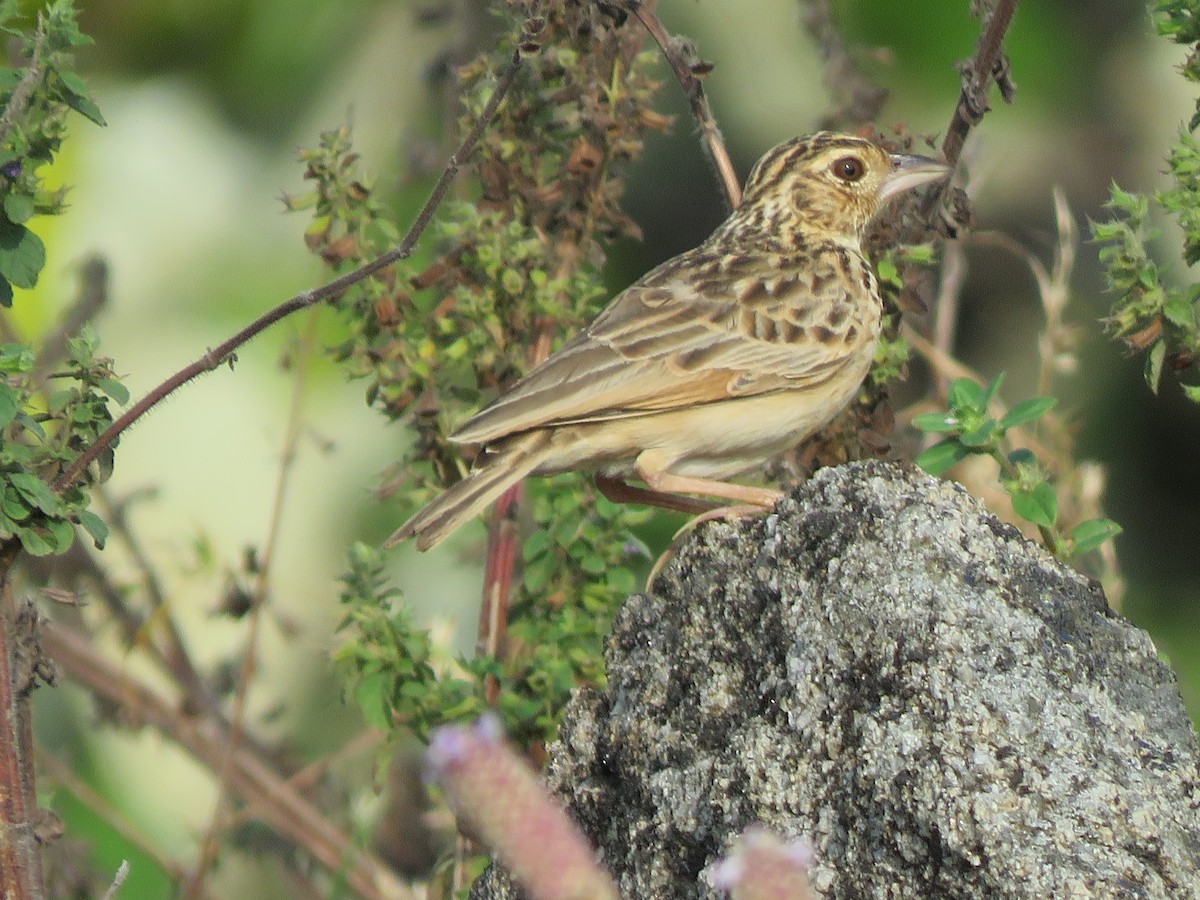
(970, 429)
(1149, 314)
(893, 267)
(556, 630)
(389, 663)
(1179, 20)
(46, 419)
(503, 277)
(36, 101)
(41, 434)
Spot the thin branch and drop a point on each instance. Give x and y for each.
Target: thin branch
(224, 352)
(685, 62)
(989, 65)
(945, 323)
(272, 799)
(172, 649)
(118, 880)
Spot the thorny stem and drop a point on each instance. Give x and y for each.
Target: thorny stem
(681, 56)
(214, 358)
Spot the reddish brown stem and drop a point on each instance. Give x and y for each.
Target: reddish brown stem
(20, 856)
(503, 543)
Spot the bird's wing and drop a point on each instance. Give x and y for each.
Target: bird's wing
(673, 340)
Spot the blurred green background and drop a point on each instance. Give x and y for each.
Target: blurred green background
(207, 102)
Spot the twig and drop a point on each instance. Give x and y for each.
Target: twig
(273, 800)
(118, 880)
(214, 358)
(306, 779)
(685, 63)
(172, 650)
(989, 65)
(945, 323)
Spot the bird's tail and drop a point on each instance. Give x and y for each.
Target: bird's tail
(503, 468)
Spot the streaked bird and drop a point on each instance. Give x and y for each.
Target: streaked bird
(714, 361)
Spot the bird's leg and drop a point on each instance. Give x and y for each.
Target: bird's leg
(619, 491)
(663, 482)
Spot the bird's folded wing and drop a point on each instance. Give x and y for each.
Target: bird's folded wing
(653, 349)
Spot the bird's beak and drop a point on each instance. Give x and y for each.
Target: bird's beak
(909, 172)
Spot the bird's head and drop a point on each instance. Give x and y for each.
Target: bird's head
(829, 184)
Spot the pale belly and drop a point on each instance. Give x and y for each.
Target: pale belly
(717, 440)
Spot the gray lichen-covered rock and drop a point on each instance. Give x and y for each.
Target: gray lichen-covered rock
(885, 668)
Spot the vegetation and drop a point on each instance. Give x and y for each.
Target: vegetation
(435, 308)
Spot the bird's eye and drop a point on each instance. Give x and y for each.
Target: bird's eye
(849, 168)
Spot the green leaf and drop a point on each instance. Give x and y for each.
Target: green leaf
(114, 389)
(1022, 457)
(61, 535)
(13, 506)
(36, 492)
(1027, 411)
(965, 394)
(22, 256)
(536, 544)
(34, 543)
(992, 390)
(1179, 311)
(1192, 392)
(18, 207)
(94, 526)
(940, 457)
(982, 435)
(1038, 504)
(6, 292)
(9, 405)
(1091, 534)
(937, 422)
(1154, 364)
(75, 96)
(15, 358)
(593, 564)
(372, 693)
(621, 580)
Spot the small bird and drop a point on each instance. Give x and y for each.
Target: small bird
(714, 361)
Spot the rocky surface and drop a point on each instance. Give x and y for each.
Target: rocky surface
(884, 668)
